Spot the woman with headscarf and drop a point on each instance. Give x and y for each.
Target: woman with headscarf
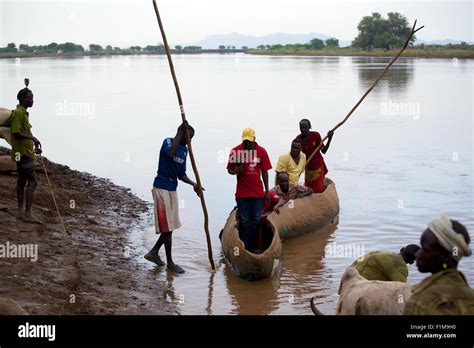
(446, 291)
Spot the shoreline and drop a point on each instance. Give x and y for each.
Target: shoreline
(96, 270)
(15, 55)
(362, 54)
(283, 53)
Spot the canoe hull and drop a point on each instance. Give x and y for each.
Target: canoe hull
(308, 214)
(248, 265)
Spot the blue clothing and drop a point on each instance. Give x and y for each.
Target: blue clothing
(250, 214)
(170, 169)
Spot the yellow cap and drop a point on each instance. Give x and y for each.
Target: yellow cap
(248, 134)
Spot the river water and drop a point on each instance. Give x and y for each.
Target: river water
(404, 157)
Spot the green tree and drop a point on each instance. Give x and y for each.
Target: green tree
(52, 47)
(70, 47)
(25, 48)
(399, 28)
(316, 44)
(332, 42)
(11, 47)
(378, 32)
(95, 48)
(245, 48)
(261, 47)
(178, 47)
(222, 47)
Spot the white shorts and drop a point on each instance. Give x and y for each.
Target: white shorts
(166, 210)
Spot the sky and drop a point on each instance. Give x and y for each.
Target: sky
(123, 22)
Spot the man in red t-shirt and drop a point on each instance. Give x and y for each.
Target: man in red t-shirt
(250, 162)
(316, 169)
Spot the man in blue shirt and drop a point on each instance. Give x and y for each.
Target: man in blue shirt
(171, 167)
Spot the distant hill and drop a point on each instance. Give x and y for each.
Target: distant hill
(239, 40)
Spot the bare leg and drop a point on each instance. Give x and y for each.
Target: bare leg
(20, 192)
(168, 244)
(32, 183)
(159, 243)
(153, 253)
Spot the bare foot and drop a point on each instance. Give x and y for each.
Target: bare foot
(20, 216)
(155, 259)
(172, 267)
(30, 219)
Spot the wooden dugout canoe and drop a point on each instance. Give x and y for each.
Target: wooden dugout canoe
(302, 216)
(245, 264)
(4, 131)
(307, 214)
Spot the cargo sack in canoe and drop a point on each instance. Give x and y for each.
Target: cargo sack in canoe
(5, 115)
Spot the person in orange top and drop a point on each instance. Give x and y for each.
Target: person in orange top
(316, 169)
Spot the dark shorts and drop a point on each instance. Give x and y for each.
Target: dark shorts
(26, 165)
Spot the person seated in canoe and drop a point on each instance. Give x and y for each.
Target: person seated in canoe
(316, 169)
(386, 266)
(269, 207)
(446, 292)
(250, 163)
(287, 192)
(293, 162)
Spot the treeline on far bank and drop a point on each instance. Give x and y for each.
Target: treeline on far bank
(72, 49)
(377, 36)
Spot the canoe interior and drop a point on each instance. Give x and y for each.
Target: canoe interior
(248, 265)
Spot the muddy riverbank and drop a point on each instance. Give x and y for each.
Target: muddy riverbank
(95, 269)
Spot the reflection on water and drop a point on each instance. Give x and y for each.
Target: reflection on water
(258, 298)
(395, 79)
(394, 171)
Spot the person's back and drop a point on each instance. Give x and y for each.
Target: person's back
(382, 265)
(443, 293)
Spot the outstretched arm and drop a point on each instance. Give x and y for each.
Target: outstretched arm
(326, 148)
(184, 178)
(307, 192)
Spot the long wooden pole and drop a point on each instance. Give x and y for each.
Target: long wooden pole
(188, 140)
(412, 32)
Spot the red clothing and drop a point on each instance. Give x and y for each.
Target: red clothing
(308, 146)
(255, 162)
(273, 200)
(316, 170)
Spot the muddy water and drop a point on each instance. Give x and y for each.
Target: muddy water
(404, 157)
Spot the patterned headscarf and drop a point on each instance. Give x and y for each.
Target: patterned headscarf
(449, 239)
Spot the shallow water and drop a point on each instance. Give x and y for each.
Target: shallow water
(404, 157)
